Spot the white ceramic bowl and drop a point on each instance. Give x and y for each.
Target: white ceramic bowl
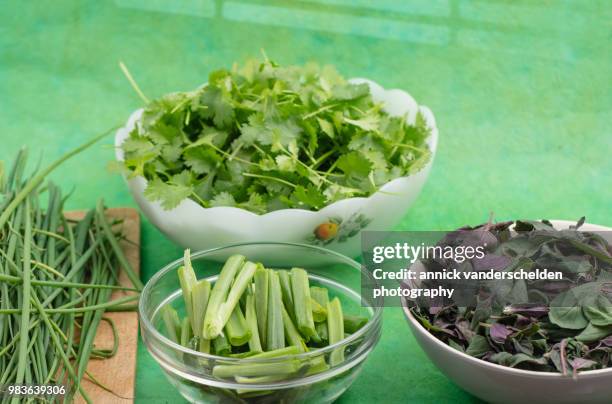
(193, 226)
(500, 384)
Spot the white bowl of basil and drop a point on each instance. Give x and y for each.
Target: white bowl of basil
(267, 153)
(545, 353)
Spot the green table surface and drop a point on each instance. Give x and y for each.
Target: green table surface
(521, 93)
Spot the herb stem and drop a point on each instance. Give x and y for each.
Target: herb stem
(267, 177)
(26, 290)
(34, 182)
(318, 111)
(133, 83)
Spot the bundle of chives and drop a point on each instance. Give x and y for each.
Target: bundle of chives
(56, 279)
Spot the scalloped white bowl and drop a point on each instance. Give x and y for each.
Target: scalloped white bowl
(193, 226)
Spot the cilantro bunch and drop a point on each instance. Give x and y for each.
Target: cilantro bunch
(267, 137)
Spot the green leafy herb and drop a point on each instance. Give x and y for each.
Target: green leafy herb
(563, 325)
(267, 137)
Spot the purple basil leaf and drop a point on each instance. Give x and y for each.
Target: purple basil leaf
(522, 322)
(534, 332)
(607, 341)
(491, 261)
(499, 333)
(529, 225)
(464, 332)
(434, 310)
(581, 363)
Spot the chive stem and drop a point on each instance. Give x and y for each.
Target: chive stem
(25, 303)
(34, 182)
(125, 264)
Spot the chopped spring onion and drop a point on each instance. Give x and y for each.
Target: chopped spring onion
(285, 282)
(335, 330)
(321, 329)
(221, 345)
(277, 353)
(303, 305)
(320, 295)
(275, 336)
(251, 320)
(213, 323)
(319, 313)
(352, 324)
(261, 301)
(316, 365)
(188, 280)
(199, 300)
(292, 336)
(257, 369)
(185, 332)
(236, 329)
(172, 323)
(240, 284)
(257, 296)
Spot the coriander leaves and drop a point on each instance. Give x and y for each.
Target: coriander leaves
(266, 137)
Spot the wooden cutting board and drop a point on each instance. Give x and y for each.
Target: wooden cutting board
(117, 373)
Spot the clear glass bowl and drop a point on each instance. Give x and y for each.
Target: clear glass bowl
(191, 371)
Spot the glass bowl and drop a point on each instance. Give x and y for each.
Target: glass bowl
(191, 372)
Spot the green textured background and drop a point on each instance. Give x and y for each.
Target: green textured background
(521, 93)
